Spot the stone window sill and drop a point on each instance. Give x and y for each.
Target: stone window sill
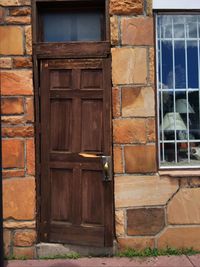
(180, 173)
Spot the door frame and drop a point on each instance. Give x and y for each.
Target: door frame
(43, 51)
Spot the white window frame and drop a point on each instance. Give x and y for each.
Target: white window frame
(176, 4)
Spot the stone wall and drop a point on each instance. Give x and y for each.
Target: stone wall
(151, 210)
(17, 128)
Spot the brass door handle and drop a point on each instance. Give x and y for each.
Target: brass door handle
(107, 168)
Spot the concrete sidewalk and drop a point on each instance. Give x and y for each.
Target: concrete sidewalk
(163, 261)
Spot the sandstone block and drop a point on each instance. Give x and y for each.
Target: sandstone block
(24, 238)
(135, 191)
(114, 30)
(2, 14)
(129, 65)
(13, 153)
(140, 159)
(30, 156)
(5, 63)
(184, 208)
(145, 221)
(151, 66)
(11, 40)
(180, 237)
(137, 31)
(137, 243)
(28, 36)
(18, 20)
(12, 105)
(15, 2)
(149, 9)
(138, 102)
(126, 7)
(28, 252)
(12, 120)
(151, 130)
(18, 82)
(19, 224)
(7, 242)
(29, 110)
(20, 11)
(13, 173)
(22, 62)
(129, 131)
(21, 131)
(119, 222)
(118, 161)
(19, 198)
(116, 102)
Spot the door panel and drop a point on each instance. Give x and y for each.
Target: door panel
(76, 204)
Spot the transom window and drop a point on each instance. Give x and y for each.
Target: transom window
(178, 88)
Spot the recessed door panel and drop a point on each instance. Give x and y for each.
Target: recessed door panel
(91, 79)
(61, 79)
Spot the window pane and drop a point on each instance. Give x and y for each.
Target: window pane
(73, 26)
(167, 65)
(179, 27)
(180, 75)
(192, 59)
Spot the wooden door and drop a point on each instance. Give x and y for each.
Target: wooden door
(76, 204)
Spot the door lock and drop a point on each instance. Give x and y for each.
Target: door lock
(107, 168)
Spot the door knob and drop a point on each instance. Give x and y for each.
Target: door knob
(107, 168)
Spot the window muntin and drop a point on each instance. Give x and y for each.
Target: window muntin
(178, 87)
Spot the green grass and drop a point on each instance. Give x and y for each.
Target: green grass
(22, 258)
(61, 256)
(149, 252)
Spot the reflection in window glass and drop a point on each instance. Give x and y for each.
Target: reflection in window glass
(178, 62)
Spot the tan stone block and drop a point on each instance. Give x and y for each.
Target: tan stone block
(18, 82)
(184, 208)
(135, 191)
(21, 131)
(129, 131)
(180, 237)
(137, 243)
(24, 238)
(114, 30)
(151, 130)
(138, 102)
(129, 65)
(195, 181)
(151, 66)
(116, 102)
(28, 36)
(18, 20)
(11, 40)
(119, 222)
(149, 9)
(13, 173)
(7, 242)
(22, 62)
(140, 159)
(30, 156)
(145, 221)
(28, 252)
(29, 110)
(19, 224)
(13, 120)
(15, 2)
(20, 11)
(13, 153)
(137, 31)
(118, 161)
(5, 63)
(19, 198)
(13, 105)
(126, 7)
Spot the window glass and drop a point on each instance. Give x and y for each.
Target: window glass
(72, 26)
(178, 82)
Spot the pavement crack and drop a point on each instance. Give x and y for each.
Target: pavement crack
(190, 260)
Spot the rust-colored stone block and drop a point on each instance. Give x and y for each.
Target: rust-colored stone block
(29, 110)
(12, 105)
(114, 30)
(119, 222)
(15, 3)
(118, 162)
(21, 131)
(184, 208)
(11, 40)
(137, 243)
(20, 11)
(12, 120)
(126, 7)
(7, 242)
(140, 159)
(180, 237)
(30, 156)
(13, 173)
(19, 224)
(28, 37)
(13, 153)
(151, 130)
(151, 66)
(19, 198)
(116, 102)
(129, 65)
(18, 20)
(145, 221)
(129, 131)
(18, 82)
(22, 62)
(5, 63)
(137, 31)
(138, 102)
(28, 252)
(2, 14)
(24, 238)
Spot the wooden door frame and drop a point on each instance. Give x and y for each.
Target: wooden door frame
(65, 51)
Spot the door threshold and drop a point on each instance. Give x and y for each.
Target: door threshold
(54, 249)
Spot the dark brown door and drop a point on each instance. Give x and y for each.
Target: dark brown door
(76, 204)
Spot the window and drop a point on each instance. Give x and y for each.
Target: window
(178, 89)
